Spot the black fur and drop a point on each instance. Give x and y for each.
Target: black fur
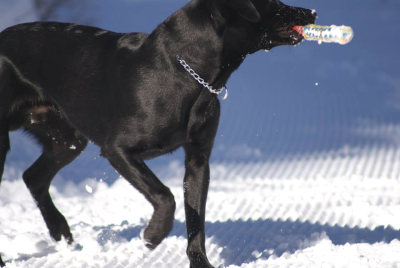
(66, 84)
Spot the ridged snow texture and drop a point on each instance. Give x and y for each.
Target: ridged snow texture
(322, 210)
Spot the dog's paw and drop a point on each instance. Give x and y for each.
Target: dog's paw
(146, 242)
(57, 231)
(152, 238)
(158, 228)
(201, 265)
(154, 234)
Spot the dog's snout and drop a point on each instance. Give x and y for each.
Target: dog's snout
(307, 16)
(313, 12)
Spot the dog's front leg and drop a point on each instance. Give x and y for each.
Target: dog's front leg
(197, 178)
(136, 172)
(201, 134)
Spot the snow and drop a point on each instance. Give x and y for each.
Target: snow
(317, 211)
(89, 189)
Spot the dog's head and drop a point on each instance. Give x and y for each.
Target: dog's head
(252, 25)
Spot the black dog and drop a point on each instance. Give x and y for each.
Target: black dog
(66, 84)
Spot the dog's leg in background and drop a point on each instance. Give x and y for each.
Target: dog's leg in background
(202, 130)
(130, 166)
(4, 141)
(2, 264)
(4, 146)
(5, 102)
(61, 145)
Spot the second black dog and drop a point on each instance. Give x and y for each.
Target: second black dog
(66, 84)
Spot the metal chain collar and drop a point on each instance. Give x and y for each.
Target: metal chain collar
(201, 80)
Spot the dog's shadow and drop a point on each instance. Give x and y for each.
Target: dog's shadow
(245, 241)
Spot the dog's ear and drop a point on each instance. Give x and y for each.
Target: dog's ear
(244, 8)
(218, 21)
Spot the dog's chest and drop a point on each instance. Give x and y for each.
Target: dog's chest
(164, 143)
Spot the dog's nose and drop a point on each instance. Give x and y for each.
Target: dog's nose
(312, 15)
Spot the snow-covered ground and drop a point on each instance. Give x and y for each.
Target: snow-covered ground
(325, 210)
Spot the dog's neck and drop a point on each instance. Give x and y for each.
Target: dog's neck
(203, 49)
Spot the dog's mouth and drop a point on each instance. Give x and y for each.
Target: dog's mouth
(289, 34)
(286, 30)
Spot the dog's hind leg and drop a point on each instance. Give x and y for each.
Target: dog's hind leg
(4, 142)
(2, 264)
(4, 147)
(5, 100)
(61, 145)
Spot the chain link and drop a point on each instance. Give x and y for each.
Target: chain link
(201, 80)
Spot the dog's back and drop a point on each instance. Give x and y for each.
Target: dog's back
(77, 67)
(57, 44)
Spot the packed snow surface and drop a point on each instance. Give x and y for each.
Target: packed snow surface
(316, 211)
